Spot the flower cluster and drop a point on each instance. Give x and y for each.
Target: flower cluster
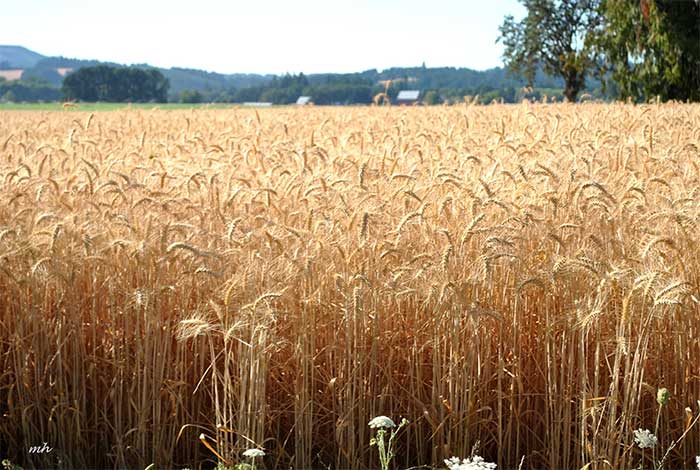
(474, 463)
(645, 439)
(381, 422)
(254, 453)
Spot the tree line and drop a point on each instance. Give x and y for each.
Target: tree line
(361, 88)
(27, 90)
(287, 89)
(116, 84)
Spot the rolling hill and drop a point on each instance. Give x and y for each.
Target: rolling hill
(18, 57)
(452, 81)
(180, 78)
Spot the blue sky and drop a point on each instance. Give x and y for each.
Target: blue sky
(264, 36)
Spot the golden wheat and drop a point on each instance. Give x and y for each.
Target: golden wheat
(521, 276)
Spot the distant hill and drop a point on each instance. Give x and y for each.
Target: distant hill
(18, 57)
(470, 80)
(448, 82)
(180, 78)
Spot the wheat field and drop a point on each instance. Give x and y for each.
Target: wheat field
(521, 277)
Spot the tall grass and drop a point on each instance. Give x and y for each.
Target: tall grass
(523, 276)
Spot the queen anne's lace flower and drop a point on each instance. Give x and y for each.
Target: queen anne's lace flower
(474, 463)
(645, 439)
(253, 453)
(381, 422)
(697, 461)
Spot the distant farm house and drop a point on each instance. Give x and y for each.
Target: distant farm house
(304, 100)
(408, 97)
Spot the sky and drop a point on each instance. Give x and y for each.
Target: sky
(263, 36)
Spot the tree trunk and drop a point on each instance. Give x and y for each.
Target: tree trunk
(573, 84)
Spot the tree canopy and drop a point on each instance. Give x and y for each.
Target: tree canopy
(116, 84)
(649, 48)
(653, 48)
(558, 35)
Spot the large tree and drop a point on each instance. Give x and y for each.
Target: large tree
(653, 47)
(116, 84)
(558, 36)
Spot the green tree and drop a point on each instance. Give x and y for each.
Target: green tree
(431, 97)
(8, 97)
(653, 47)
(191, 96)
(556, 35)
(20, 90)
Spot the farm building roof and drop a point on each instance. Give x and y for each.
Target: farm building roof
(408, 95)
(304, 100)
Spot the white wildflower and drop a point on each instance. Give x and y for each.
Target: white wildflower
(474, 463)
(697, 461)
(645, 439)
(253, 453)
(381, 422)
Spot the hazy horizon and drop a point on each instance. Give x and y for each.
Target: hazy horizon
(270, 37)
